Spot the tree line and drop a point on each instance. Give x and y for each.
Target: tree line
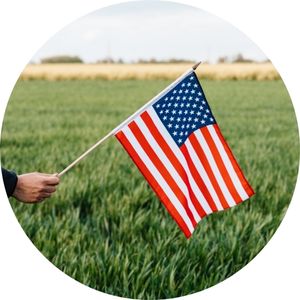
(239, 58)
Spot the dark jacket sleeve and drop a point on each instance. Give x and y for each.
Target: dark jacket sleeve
(10, 181)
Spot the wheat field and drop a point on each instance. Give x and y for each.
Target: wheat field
(104, 226)
(56, 72)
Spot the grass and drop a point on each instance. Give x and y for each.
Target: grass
(105, 227)
(56, 72)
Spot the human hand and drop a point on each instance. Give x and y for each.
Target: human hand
(35, 187)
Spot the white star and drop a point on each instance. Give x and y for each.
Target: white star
(193, 126)
(166, 111)
(170, 125)
(164, 105)
(198, 113)
(201, 107)
(183, 85)
(165, 118)
(166, 99)
(211, 119)
(188, 126)
(174, 92)
(184, 119)
(175, 133)
(205, 116)
(177, 98)
(180, 112)
(178, 119)
(199, 94)
(176, 104)
(185, 112)
(184, 97)
(192, 91)
(192, 112)
(158, 105)
(186, 91)
(188, 105)
(180, 140)
(173, 111)
(203, 102)
(190, 98)
(191, 78)
(181, 105)
(194, 105)
(169, 104)
(189, 84)
(207, 110)
(180, 91)
(196, 119)
(202, 121)
(171, 118)
(176, 126)
(197, 99)
(172, 98)
(186, 133)
(189, 119)
(195, 85)
(183, 126)
(181, 133)
(161, 112)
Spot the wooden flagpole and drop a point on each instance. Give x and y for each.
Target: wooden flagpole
(87, 152)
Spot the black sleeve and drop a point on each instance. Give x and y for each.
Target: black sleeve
(10, 181)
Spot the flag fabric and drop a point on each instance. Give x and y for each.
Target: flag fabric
(177, 145)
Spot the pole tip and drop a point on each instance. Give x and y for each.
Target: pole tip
(196, 65)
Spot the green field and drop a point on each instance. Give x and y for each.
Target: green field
(105, 227)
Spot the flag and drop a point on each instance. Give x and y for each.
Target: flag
(177, 145)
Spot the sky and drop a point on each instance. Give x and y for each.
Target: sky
(150, 29)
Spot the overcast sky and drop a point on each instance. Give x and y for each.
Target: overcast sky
(150, 29)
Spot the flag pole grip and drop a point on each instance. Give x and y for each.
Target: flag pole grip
(116, 129)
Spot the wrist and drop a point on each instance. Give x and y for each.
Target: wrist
(16, 188)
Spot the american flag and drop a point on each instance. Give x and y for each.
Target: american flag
(178, 147)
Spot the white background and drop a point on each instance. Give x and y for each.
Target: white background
(25, 26)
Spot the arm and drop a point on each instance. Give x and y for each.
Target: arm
(31, 187)
(10, 181)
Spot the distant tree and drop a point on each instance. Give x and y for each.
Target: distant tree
(59, 59)
(164, 61)
(240, 59)
(107, 60)
(179, 60)
(223, 59)
(153, 61)
(267, 60)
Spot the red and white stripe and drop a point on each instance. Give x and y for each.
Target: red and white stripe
(194, 180)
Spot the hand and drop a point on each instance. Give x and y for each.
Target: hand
(35, 187)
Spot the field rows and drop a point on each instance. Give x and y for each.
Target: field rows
(249, 71)
(105, 227)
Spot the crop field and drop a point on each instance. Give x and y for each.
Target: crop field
(252, 71)
(104, 226)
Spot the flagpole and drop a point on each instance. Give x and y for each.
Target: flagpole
(87, 152)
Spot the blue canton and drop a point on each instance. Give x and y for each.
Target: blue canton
(184, 109)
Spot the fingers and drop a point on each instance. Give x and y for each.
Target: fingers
(51, 180)
(48, 179)
(46, 174)
(49, 189)
(42, 197)
(45, 195)
(35, 187)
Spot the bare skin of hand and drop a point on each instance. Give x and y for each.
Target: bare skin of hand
(35, 187)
